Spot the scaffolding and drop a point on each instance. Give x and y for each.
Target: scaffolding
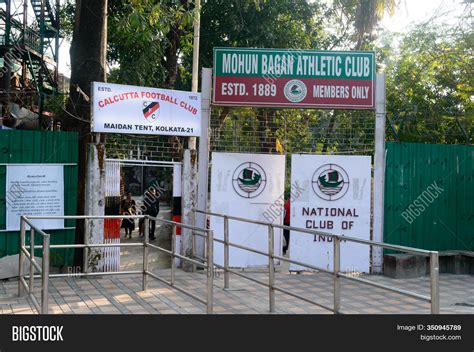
(29, 50)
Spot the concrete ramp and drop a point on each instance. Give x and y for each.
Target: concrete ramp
(9, 266)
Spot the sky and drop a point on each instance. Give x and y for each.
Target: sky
(408, 13)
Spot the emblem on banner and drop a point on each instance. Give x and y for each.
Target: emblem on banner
(330, 182)
(295, 90)
(249, 180)
(151, 110)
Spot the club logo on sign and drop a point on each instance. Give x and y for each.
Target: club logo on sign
(151, 110)
(295, 90)
(249, 180)
(330, 182)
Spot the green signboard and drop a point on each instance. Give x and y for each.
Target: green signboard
(294, 78)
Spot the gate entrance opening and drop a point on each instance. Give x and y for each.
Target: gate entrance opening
(131, 185)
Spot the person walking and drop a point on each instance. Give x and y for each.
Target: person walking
(152, 208)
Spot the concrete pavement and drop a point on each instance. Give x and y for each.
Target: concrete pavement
(123, 295)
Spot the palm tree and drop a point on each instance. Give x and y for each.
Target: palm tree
(368, 14)
(364, 15)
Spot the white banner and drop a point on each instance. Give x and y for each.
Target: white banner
(35, 190)
(248, 186)
(336, 199)
(118, 108)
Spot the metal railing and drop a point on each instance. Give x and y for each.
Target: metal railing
(30, 255)
(336, 273)
(46, 247)
(206, 262)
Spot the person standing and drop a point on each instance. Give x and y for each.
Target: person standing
(152, 206)
(141, 221)
(127, 207)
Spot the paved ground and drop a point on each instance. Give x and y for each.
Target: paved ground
(123, 295)
(131, 258)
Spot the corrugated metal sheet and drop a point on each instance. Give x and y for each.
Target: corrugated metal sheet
(447, 220)
(40, 147)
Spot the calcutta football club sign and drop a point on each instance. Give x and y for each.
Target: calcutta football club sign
(248, 186)
(336, 199)
(294, 78)
(120, 108)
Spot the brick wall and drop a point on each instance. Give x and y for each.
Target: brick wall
(158, 148)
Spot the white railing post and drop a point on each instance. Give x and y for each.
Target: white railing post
(21, 256)
(32, 258)
(271, 270)
(85, 253)
(336, 268)
(173, 254)
(146, 225)
(226, 252)
(45, 276)
(210, 271)
(434, 280)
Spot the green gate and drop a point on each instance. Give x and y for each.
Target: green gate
(429, 196)
(40, 147)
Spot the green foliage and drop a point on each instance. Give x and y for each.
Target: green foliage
(114, 142)
(297, 24)
(365, 15)
(429, 78)
(292, 131)
(66, 19)
(268, 24)
(140, 36)
(430, 86)
(150, 41)
(146, 36)
(55, 103)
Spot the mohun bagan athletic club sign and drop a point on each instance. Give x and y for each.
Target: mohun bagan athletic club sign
(294, 78)
(120, 108)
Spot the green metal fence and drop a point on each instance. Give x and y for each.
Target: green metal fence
(429, 196)
(40, 147)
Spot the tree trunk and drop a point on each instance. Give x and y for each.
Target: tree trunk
(170, 60)
(171, 55)
(170, 63)
(268, 137)
(329, 133)
(88, 64)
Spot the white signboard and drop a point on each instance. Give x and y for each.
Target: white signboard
(118, 108)
(248, 186)
(336, 199)
(35, 190)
